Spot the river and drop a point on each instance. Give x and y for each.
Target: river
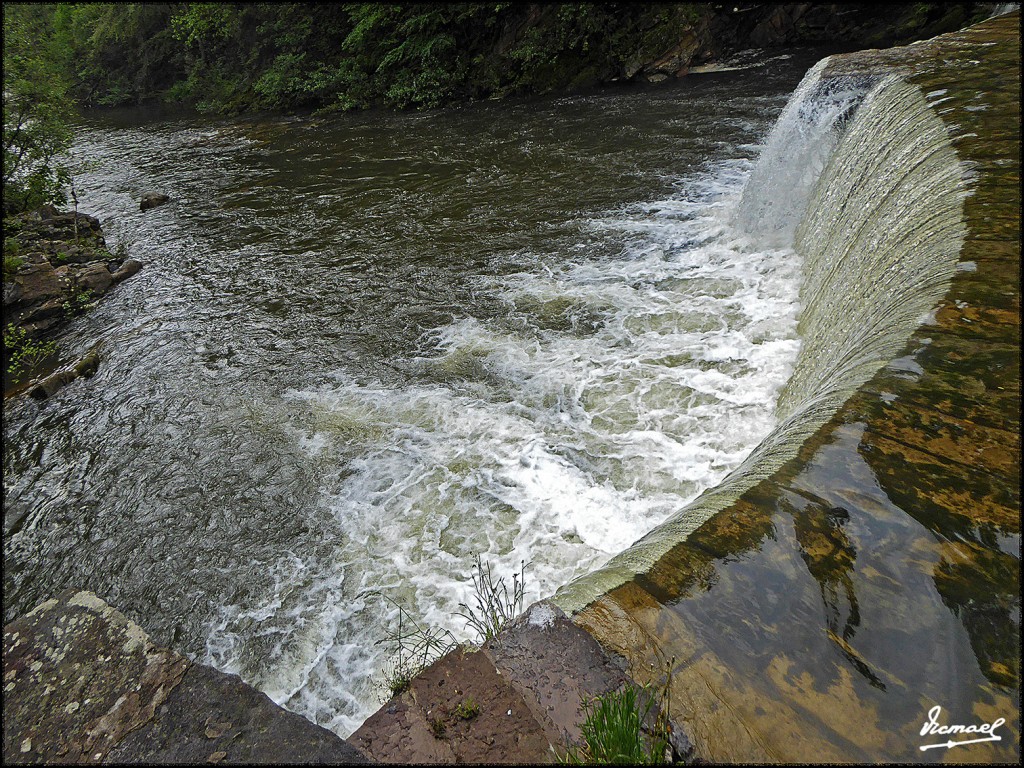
(365, 349)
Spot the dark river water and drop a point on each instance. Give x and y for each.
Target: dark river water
(364, 349)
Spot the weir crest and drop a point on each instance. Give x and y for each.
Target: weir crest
(861, 177)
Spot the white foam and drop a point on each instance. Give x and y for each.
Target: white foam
(611, 392)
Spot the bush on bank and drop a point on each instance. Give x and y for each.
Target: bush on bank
(235, 57)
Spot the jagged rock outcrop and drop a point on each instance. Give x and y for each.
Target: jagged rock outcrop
(64, 265)
(56, 265)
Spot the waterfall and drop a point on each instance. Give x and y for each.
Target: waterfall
(797, 150)
(860, 175)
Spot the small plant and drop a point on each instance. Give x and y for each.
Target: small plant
(81, 300)
(467, 709)
(438, 728)
(495, 608)
(12, 263)
(121, 249)
(60, 257)
(613, 731)
(613, 734)
(12, 255)
(416, 648)
(22, 352)
(124, 243)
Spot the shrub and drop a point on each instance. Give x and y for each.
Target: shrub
(22, 352)
(81, 300)
(35, 109)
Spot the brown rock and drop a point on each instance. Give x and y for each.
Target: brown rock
(37, 282)
(94, 277)
(152, 200)
(128, 268)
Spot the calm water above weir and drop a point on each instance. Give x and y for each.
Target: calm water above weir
(365, 349)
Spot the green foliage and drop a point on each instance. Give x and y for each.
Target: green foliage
(230, 57)
(80, 301)
(22, 352)
(495, 607)
(467, 709)
(12, 248)
(36, 108)
(12, 263)
(613, 732)
(118, 53)
(615, 729)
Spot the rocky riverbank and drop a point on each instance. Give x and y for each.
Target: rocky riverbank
(56, 266)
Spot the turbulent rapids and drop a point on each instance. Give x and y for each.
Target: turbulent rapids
(575, 374)
(362, 353)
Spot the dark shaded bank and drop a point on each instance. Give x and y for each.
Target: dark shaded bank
(291, 56)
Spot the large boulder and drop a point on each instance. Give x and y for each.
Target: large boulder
(35, 283)
(95, 277)
(127, 269)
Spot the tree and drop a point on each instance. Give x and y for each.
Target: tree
(36, 110)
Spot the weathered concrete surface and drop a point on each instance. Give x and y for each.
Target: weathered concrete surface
(824, 614)
(529, 685)
(83, 684)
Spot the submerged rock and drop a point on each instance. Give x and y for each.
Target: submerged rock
(84, 368)
(152, 200)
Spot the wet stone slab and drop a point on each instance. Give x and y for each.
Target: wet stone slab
(84, 684)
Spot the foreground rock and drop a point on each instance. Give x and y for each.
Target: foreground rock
(83, 684)
(519, 699)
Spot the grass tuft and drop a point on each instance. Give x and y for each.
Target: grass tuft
(467, 709)
(495, 608)
(614, 733)
(416, 649)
